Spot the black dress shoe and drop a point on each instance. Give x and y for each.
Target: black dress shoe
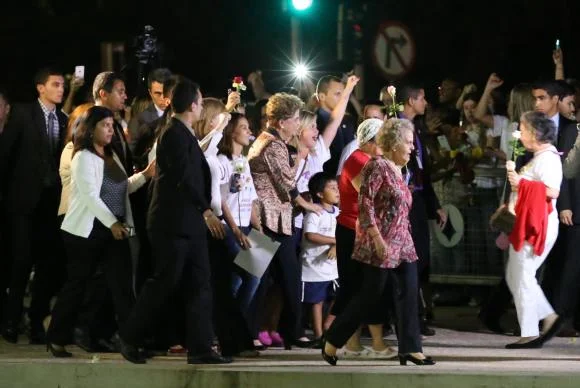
(209, 358)
(10, 334)
(533, 344)
(82, 339)
(105, 346)
(58, 353)
(131, 353)
(301, 344)
(403, 358)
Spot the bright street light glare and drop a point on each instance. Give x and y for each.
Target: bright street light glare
(301, 5)
(300, 71)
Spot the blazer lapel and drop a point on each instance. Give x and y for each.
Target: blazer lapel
(40, 124)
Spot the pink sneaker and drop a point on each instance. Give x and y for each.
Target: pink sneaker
(277, 340)
(264, 338)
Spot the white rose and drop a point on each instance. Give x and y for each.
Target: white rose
(517, 135)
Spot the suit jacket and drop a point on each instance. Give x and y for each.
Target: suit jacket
(182, 185)
(569, 198)
(121, 147)
(27, 165)
(138, 124)
(571, 166)
(427, 193)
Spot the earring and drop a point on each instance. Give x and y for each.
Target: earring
(394, 149)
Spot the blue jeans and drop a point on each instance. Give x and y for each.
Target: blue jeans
(244, 284)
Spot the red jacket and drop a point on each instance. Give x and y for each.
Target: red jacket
(532, 210)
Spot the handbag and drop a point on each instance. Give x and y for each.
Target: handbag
(503, 220)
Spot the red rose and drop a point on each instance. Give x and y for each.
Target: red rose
(238, 80)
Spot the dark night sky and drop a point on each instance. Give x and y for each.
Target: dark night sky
(211, 41)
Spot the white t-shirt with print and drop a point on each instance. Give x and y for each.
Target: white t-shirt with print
(240, 203)
(316, 266)
(314, 163)
(503, 129)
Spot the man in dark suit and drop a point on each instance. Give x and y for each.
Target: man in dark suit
(159, 102)
(29, 159)
(109, 91)
(179, 217)
(425, 202)
(562, 268)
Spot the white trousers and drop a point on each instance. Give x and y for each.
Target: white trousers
(529, 299)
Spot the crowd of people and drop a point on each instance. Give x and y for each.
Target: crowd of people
(130, 218)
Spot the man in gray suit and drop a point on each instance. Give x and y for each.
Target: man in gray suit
(159, 102)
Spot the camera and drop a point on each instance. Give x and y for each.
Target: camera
(146, 45)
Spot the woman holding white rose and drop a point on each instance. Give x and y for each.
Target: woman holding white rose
(533, 200)
(238, 195)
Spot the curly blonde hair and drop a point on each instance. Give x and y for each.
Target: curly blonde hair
(391, 133)
(282, 106)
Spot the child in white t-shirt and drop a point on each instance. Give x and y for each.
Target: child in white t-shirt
(318, 253)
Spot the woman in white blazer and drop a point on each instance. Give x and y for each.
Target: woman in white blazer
(96, 225)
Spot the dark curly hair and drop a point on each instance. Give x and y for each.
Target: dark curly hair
(83, 139)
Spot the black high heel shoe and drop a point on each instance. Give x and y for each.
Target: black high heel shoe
(403, 358)
(57, 353)
(332, 360)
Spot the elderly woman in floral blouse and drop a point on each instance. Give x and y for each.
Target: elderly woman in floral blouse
(384, 246)
(273, 164)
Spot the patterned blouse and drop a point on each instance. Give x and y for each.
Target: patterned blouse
(384, 201)
(274, 173)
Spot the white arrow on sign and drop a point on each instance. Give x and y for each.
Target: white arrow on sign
(394, 49)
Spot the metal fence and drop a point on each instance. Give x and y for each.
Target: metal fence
(473, 258)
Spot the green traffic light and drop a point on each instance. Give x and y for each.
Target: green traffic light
(301, 5)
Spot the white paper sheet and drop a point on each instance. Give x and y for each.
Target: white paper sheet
(257, 259)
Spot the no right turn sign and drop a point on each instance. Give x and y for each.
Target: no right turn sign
(394, 50)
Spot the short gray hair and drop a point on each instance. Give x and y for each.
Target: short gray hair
(391, 133)
(540, 125)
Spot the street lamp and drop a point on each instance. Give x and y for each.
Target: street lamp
(301, 5)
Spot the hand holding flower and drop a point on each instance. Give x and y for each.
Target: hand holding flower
(234, 98)
(514, 179)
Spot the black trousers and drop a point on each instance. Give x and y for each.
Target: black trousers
(35, 241)
(181, 265)
(85, 255)
(553, 267)
(350, 275)
(403, 281)
(5, 257)
(286, 270)
(567, 294)
(144, 265)
(231, 326)
(421, 240)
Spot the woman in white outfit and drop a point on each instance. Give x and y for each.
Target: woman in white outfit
(538, 133)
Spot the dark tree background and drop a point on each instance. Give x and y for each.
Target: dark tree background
(213, 40)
